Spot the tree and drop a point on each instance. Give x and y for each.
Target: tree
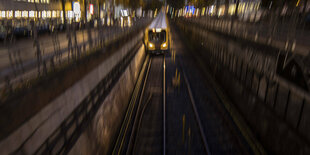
(63, 4)
(237, 7)
(226, 8)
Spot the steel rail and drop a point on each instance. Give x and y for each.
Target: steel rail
(80, 118)
(164, 112)
(201, 130)
(203, 136)
(164, 106)
(140, 120)
(138, 109)
(129, 113)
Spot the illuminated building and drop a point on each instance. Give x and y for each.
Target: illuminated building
(27, 10)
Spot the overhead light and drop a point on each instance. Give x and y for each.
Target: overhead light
(158, 30)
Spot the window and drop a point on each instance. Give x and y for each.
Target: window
(31, 14)
(3, 14)
(25, 14)
(17, 14)
(157, 36)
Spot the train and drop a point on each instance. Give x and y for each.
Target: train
(157, 35)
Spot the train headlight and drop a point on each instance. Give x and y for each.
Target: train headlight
(151, 45)
(164, 45)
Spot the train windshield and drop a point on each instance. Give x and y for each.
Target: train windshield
(157, 36)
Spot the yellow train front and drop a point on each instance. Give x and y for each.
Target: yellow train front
(156, 36)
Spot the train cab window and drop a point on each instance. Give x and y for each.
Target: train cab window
(157, 36)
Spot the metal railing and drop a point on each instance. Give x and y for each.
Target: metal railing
(35, 58)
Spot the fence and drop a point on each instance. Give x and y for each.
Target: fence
(49, 52)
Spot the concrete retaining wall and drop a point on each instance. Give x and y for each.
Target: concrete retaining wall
(275, 125)
(34, 132)
(98, 137)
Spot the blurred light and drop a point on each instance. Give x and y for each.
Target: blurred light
(220, 12)
(164, 45)
(17, 14)
(197, 12)
(70, 14)
(101, 14)
(129, 22)
(297, 3)
(76, 8)
(193, 10)
(91, 9)
(43, 14)
(203, 11)
(232, 9)
(68, 6)
(31, 14)
(122, 22)
(155, 13)
(108, 20)
(3, 14)
(211, 10)
(124, 13)
(158, 30)
(57, 13)
(54, 14)
(48, 14)
(25, 14)
(151, 45)
(10, 14)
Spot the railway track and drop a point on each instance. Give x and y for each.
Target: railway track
(144, 127)
(224, 132)
(153, 122)
(148, 91)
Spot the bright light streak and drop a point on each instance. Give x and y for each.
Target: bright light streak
(3, 14)
(76, 8)
(297, 3)
(91, 9)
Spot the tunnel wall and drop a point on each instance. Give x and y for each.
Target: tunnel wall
(31, 135)
(276, 110)
(98, 137)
